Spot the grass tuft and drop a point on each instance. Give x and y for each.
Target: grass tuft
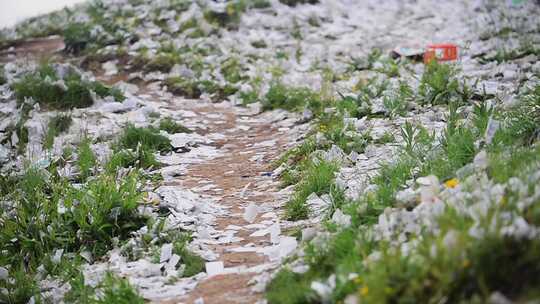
(318, 178)
(45, 87)
(148, 139)
(57, 125)
(172, 127)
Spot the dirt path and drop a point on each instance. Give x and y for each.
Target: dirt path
(248, 144)
(239, 177)
(37, 49)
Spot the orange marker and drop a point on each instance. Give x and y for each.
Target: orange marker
(441, 52)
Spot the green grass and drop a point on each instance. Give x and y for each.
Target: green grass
(230, 18)
(259, 4)
(76, 94)
(194, 264)
(57, 125)
(288, 288)
(438, 84)
(163, 62)
(172, 127)
(184, 87)
(471, 269)
(135, 147)
(504, 55)
(112, 289)
(259, 44)
(386, 138)
(86, 160)
(334, 130)
(48, 213)
(231, 70)
(280, 96)
(513, 162)
(193, 88)
(77, 36)
(3, 79)
(140, 158)
(147, 139)
(318, 178)
(396, 105)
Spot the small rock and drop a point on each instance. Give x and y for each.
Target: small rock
(492, 127)
(4, 273)
(341, 219)
(308, 234)
(287, 244)
(166, 252)
(275, 231)
(498, 298)
(481, 160)
(214, 268)
(250, 213)
(57, 257)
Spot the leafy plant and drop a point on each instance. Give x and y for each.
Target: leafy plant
(438, 85)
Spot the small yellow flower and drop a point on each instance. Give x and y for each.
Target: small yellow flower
(358, 280)
(364, 291)
(466, 263)
(451, 183)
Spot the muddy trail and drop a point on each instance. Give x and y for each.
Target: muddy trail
(248, 144)
(240, 177)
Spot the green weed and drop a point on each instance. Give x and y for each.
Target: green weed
(396, 105)
(111, 289)
(77, 36)
(228, 19)
(194, 263)
(184, 87)
(57, 125)
(76, 94)
(280, 96)
(172, 127)
(148, 139)
(438, 84)
(386, 138)
(318, 179)
(86, 160)
(289, 288)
